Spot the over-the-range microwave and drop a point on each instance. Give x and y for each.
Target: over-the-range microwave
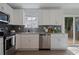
(4, 17)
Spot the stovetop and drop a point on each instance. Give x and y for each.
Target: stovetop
(11, 34)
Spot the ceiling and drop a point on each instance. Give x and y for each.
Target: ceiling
(44, 5)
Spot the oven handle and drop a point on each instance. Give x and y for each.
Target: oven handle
(9, 37)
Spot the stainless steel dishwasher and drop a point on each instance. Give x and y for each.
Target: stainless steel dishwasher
(44, 41)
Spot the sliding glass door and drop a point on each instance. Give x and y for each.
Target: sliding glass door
(72, 29)
(69, 29)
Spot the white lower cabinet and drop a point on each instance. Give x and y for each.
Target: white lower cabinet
(59, 41)
(31, 41)
(28, 42)
(25, 42)
(18, 41)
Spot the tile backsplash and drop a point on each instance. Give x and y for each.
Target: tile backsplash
(31, 30)
(17, 28)
(50, 28)
(41, 28)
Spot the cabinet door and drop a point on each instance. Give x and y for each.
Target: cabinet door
(18, 41)
(29, 42)
(34, 41)
(59, 41)
(44, 17)
(41, 16)
(18, 17)
(53, 42)
(59, 17)
(25, 42)
(63, 41)
(52, 15)
(2, 7)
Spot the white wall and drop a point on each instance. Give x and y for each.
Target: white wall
(71, 11)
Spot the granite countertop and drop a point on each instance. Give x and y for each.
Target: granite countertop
(38, 33)
(28, 33)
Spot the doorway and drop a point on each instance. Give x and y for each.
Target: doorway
(69, 29)
(72, 29)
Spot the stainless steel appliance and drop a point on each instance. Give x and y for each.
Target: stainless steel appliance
(4, 17)
(9, 38)
(10, 45)
(44, 41)
(8, 42)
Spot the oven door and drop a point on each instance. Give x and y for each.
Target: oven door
(9, 42)
(10, 45)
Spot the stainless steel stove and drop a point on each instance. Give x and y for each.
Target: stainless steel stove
(8, 42)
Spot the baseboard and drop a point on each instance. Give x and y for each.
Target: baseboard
(28, 49)
(57, 49)
(44, 49)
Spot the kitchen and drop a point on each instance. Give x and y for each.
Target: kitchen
(33, 28)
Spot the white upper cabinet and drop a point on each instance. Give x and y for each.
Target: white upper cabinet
(50, 17)
(18, 17)
(59, 17)
(43, 17)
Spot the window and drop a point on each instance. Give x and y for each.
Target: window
(31, 22)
